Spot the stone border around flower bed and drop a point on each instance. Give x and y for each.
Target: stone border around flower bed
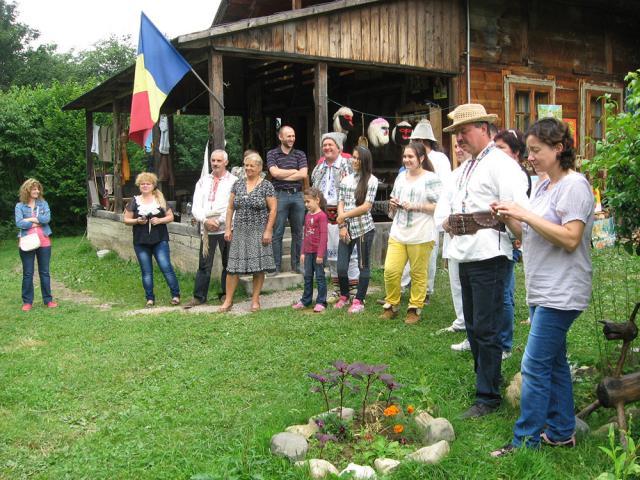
(293, 444)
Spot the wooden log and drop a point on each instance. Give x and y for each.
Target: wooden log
(612, 391)
(321, 108)
(216, 112)
(117, 182)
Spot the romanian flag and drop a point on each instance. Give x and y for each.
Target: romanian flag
(159, 67)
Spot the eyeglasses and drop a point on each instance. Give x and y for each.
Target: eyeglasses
(513, 132)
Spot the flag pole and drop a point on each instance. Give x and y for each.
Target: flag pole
(215, 97)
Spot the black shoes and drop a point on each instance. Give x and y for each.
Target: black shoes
(478, 410)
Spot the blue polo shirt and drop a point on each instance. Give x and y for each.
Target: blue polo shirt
(295, 160)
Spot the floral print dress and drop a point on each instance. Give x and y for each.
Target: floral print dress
(247, 254)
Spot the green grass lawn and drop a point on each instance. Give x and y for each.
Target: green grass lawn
(91, 393)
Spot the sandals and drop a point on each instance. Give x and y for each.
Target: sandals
(224, 309)
(508, 449)
(255, 307)
(570, 443)
(150, 303)
(175, 301)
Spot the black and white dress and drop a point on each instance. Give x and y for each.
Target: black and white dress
(247, 254)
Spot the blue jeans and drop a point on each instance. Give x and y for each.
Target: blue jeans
(547, 394)
(43, 254)
(364, 264)
(161, 252)
(508, 309)
(290, 206)
(311, 268)
(482, 285)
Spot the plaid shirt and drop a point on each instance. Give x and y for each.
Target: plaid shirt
(362, 224)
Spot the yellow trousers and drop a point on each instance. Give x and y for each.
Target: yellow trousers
(397, 254)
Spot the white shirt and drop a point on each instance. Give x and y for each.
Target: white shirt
(208, 203)
(443, 207)
(415, 227)
(495, 177)
(441, 165)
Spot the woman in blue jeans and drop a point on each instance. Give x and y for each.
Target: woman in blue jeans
(32, 215)
(556, 236)
(149, 215)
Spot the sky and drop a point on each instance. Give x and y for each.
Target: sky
(78, 24)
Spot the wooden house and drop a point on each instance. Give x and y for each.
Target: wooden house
(296, 61)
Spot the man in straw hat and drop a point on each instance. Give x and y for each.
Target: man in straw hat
(481, 245)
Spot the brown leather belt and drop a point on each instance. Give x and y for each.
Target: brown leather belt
(470, 223)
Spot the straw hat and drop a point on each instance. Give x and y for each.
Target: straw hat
(423, 131)
(469, 113)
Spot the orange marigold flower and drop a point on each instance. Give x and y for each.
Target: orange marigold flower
(398, 428)
(391, 411)
(410, 409)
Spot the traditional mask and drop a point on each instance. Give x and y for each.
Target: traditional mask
(343, 120)
(402, 133)
(378, 132)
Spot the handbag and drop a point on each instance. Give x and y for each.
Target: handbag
(29, 242)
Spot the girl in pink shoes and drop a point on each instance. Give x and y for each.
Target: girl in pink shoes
(314, 250)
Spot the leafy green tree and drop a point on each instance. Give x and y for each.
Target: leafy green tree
(38, 139)
(106, 58)
(616, 165)
(14, 37)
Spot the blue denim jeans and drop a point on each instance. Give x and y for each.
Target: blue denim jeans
(311, 269)
(364, 243)
(508, 309)
(162, 255)
(43, 254)
(291, 207)
(482, 285)
(547, 394)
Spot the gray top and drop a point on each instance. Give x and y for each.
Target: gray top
(554, 277)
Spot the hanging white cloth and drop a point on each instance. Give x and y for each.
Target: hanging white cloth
(205, 163)
(95, 141)
(164, 135)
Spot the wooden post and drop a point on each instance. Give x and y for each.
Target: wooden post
(88, 119)
(117, 182)
(296, 4)
(255, 121)
(321, 116)
(216, 112)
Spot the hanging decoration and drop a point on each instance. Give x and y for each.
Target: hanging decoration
(343, 120)
(402, 133)
(362, 140)
(378, 132)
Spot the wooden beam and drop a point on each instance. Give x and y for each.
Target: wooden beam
(216, 112)
(296, 4)
(321, 112)
(88, 120)
(117, 176)
(270, 20)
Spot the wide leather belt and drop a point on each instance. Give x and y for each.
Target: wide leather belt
(470, 223)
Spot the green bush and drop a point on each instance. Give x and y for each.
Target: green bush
(617, 155)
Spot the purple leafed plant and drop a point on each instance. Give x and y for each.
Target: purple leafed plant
(368, 373)
(390, 383)
(326, 381)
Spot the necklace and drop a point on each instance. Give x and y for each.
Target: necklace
(465, 178)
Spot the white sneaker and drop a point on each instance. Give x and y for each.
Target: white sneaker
(462, 346)
(505, 355)
(450, 329)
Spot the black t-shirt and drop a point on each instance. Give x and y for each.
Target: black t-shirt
(142, 234)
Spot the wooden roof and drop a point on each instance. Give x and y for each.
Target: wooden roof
(234, 10)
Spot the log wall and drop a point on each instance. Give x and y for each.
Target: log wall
(423, 34)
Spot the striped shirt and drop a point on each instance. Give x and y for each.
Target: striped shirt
(294, 160)
(362, 224)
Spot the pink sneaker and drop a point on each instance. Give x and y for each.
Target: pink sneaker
(319, 308)
(298, 305)
(26, 307)
(52, 305)
(342, 301)
(356, 306)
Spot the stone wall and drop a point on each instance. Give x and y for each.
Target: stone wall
(107, 230)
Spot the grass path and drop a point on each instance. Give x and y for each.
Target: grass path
(90, 391)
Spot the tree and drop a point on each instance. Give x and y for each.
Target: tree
(14, 37)
(616, 165)
(106, 58)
